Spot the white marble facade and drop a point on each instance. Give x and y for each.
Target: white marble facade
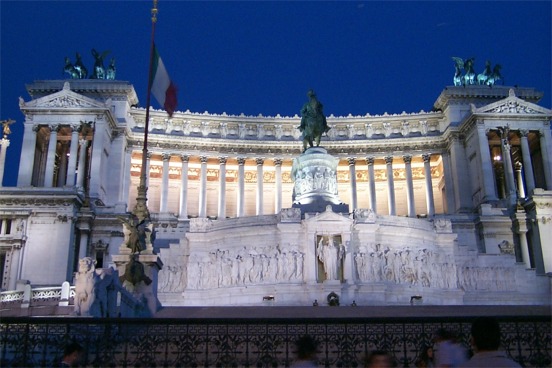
(451, 205)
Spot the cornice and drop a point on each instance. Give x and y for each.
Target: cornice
(278, 136)
(98, 89)
(213, 147)
(483, 94)
(18, 198)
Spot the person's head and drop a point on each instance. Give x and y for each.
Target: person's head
(378, 359)
(427, 353)
(306, 347)
(485, 333)
(72, 353)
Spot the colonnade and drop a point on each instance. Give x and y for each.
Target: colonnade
(519, 175)
(354, 163)
(69, 157)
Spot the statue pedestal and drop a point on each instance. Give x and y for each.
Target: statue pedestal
(331, 283)
(141, 290)
(315, 177)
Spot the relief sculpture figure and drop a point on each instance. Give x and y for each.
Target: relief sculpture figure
(330, 254)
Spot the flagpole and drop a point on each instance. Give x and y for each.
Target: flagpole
(141, 209)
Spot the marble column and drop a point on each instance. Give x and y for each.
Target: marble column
(390, 186)
(125, 183)
(222, 188)
(459, 168)
(14, 266)
(203, 188)
(371, 183)
(241, 187)
(521, 228)
(429, 185)
(353, 182)
(81, 171)
(260, 177)
(519, 178)
(26, 167)
(508, 169)
(278, 194)
(51, 157)
(4, 144)
(165, 183)
(83, 245)
(486, 164)
(449, 183)
(409, 186)
(527, 163)
(183, 204)
(546, 151)
(73, 153)
(62, 164)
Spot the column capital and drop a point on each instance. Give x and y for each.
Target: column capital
(518, 165)
(149, 154)
(504, 132)
(54, 127)
(36, 128)
(407, 159)
(203, 159)
(370, 160)
(388, 160)
(523, 133)
(76, 127)
(259, 161)
(223, 160)
(185, 158)
(166, 156)
(426, 157)
(241, 160)
(278, 162)
(351, 161)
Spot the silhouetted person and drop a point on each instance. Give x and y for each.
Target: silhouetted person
(71, 355)
(485, 341)
(426, 359)
(449, 352)
(378, 359)
(306, 352)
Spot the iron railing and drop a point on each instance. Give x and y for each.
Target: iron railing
(248, 342)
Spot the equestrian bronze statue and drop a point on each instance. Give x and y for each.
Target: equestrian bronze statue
(313, 122)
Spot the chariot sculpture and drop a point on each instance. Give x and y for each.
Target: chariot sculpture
(77, 70)
(488, 77)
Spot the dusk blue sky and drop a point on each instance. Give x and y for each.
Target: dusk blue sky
(260, 57)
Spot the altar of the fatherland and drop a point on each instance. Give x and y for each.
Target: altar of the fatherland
(451, 206)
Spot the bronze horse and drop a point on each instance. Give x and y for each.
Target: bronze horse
(313, 122)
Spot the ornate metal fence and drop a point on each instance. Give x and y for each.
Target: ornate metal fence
(250, 342)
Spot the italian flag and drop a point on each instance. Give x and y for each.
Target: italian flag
(162, 87)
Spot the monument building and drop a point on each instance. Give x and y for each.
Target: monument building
(452, 206)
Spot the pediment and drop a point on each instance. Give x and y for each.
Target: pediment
(512, 105)
(64, 99)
